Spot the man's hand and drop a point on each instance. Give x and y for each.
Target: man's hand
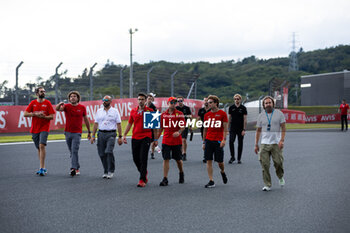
(243, 132)
(256, 149)
(120, 141)
(92, 140)
(89, 136)
(281, 145)
(124, 140)
(222, 143)
(40, 115)
(203, 146)
(176, 134)
(155, 143)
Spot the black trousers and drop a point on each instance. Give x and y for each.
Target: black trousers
(344, 120)
(140, 149)
(233, 135)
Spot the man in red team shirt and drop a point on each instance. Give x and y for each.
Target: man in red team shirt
(215, 131)
(141, 138)
(75, 113)
(173, 124)
(41, 112)
(344, 109)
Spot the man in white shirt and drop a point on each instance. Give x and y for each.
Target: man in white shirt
(271, 124)
(107, 120)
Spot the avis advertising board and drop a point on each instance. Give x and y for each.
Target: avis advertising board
(12, 117)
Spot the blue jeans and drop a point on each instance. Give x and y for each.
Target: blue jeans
(73, 143)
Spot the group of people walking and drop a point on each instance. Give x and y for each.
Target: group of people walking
(216, 124)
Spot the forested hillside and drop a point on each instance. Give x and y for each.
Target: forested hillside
(250, 76)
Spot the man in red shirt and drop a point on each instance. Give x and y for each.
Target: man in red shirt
(215, 131)
(173, 124)
(41, 112)
(141, 138)
(344, 109)
(75, 113)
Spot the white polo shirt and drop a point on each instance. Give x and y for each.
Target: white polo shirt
(107, 120)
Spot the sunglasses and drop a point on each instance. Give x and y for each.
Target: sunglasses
(172, 102)
(210, 102)
(180, 101)
(237, 98)
(105, 100)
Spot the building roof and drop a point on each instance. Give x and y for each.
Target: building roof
(325, 74)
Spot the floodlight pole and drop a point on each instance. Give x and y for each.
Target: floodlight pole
(172, 83)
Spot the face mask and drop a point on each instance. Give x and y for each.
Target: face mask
(42, 96)
(106, 104)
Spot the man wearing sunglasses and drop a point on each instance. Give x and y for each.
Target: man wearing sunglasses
(271, 124)
(188, 115)
(237, 125)
(42, 112)
(215, 139)
(107, 120)
(171, 121)
(141, 138)
(75, 113)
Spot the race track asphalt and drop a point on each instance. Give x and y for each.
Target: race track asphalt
(316, 197)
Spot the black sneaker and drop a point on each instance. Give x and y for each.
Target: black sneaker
(204, 161)
(72, 172)
(224, 177)
(231, 160)
(181, 177)
(184, 157)
(152, 155)
(164, 182)
(239, 162)
(211, 184)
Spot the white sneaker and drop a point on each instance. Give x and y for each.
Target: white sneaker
(110, 175)
(104, 176)
(282, 182)
(266, 188)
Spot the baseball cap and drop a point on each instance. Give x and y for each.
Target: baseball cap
(171, 99)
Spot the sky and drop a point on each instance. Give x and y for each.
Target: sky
(78, 33)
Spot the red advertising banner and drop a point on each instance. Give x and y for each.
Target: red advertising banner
(12, 117)
(293, 116)
(323, 118)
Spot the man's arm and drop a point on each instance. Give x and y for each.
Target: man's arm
(60, 107)
(229, 121)
(204, 136)
(119, 127)
(49, 117)
(257, 137)
(283, 135)
(244, 124)
(127, 129)
(223, 142)
(87, 124)
(29, 114)
(94, 132)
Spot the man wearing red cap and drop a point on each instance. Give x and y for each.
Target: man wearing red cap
(173, 124)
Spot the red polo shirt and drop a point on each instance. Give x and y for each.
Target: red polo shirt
(74, 117)
(344, 109)
(40, 124)
(215, 133)
(170, 124)
(136, 117)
